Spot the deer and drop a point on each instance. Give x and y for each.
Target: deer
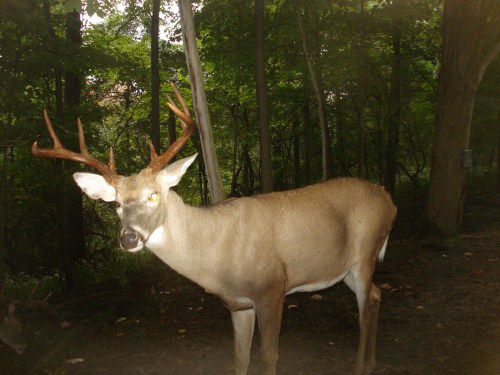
(251, 251)
(11, 330)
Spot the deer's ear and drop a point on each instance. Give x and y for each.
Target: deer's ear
(172, 174)
(95, 186)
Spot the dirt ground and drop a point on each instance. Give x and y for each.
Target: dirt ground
(440, 314)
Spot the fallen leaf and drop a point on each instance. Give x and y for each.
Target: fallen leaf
(317, 297)
(468, 253)
(420, 307)
(386, 286)
(65, 324)
(183, 330)
(74, 361)
(292, 307)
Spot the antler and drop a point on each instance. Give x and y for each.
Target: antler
(59, 151)
(188, 125)
(109, 171)
(29, 302)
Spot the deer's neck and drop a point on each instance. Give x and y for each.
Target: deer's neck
(186, 241)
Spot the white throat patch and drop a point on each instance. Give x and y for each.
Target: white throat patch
(155, 240)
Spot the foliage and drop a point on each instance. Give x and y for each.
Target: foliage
(116, 268)
(115, 103)
(23, 287)
(105, 268)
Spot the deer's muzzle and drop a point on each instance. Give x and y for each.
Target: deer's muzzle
(130, 240)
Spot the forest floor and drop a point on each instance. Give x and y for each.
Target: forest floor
(440, 314)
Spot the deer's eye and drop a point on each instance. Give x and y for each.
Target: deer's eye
(153, 197)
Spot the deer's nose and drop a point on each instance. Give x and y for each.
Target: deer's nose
(129, 239)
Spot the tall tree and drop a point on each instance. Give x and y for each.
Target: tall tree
(306, 130)
(394, 99)
(200, 102)
(155, 75)
(55, 46)
(72, 76)
(266, 168)
(326, 149)
(72, 239)
(11, 82)
(361, 92)
(462, 66)
(498, 149)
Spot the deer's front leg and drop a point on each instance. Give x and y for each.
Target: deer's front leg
(269, 313)
(243, 325)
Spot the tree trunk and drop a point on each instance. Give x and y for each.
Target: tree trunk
(55, 256)
(72, 240)
(296, 152)
(339, 150)
(200, 102)
(234, 162)
(72, 77)
(10, 102)
(54, 41)
(326, 149)
(155, 76)
(361, 94)
(394, 101)
(498, 151)
(248, 177)
(306, 129)
(459, 77)
(266, 168)
(3, 184)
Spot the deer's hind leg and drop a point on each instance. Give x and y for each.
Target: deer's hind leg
(368, 296)
(269, 314)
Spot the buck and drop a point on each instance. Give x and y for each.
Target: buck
(11, 329)
(252, 251)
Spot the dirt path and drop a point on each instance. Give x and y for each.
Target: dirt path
(440, 315)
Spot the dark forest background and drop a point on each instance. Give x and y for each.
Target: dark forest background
(394, 91)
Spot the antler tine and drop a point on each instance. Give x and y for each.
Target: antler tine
(60, 152)
(50, 128)
(81, 138)
(84, 150)
(186, 116)
(188, 126)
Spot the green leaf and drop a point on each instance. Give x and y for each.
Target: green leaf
(73, 5)
(94, 7)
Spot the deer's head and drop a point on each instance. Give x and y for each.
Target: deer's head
(140, 199)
